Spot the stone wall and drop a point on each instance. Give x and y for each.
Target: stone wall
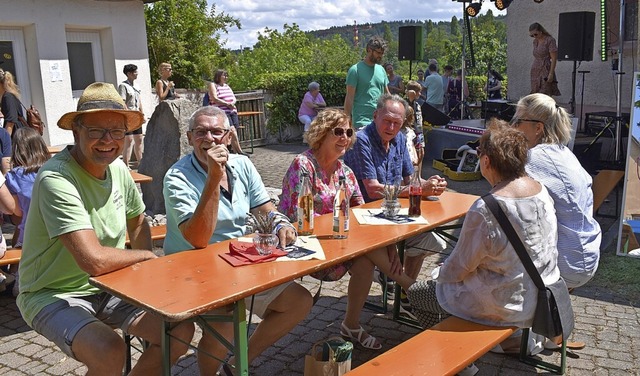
(165, 143)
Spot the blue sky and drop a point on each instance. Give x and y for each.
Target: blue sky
(255, 15)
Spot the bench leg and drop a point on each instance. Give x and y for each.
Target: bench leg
(539, 363)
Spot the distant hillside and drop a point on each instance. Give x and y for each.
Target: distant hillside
(367, 30)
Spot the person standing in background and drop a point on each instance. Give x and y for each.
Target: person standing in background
(494, 85)
(447, 77)
(165, 88)
(435, 91)
(131, 97)
(422, 97)
(545, 57)
(10, 103)
(395, 84)
(366, 82)
(221, 96)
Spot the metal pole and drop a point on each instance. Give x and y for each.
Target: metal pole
(619, 74)
(464, 59)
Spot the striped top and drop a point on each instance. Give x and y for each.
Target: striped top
(225, 94)
(579, 234)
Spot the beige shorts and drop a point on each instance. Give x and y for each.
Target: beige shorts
(261, 301)
(425, 242)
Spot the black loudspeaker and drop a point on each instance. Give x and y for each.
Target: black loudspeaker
(575, 36)
(433, 115)
(410, 43)
(501, 109)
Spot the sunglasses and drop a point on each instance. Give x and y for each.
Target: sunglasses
(516, 122)
(338, 132)
(534, 35)
(479, 152)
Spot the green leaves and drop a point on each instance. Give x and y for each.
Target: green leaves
(186, 34)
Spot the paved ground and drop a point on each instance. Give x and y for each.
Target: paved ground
(608, 323)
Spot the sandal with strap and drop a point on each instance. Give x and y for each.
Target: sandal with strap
(355, 336)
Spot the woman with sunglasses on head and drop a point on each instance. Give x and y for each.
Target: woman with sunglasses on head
(330, 135)
(547, 128)
(545, 57)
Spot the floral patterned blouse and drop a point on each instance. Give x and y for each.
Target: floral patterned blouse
(324, 186)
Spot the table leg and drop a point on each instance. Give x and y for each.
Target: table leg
(240, 336)
(166, 348)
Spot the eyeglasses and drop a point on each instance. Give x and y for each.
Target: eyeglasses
(169, 69)
(98, 133)
(216, 133)
(516, 122)
(338, 132)
(534, 35)
(479, 152)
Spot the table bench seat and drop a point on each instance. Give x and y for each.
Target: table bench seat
(157, 233)
(12, 256)
(444, 349)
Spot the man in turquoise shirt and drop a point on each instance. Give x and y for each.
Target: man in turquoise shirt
(366, 82)
(207, 196)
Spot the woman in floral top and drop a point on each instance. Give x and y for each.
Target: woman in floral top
(330, 135)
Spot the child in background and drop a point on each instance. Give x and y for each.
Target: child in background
(29, 154)
(412, 93)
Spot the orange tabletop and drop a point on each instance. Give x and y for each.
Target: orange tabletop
(54, 149)
(140, 178)
(191, 280)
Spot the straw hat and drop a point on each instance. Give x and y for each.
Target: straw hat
(102, 97)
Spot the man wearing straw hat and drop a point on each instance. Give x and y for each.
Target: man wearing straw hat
(84, 201)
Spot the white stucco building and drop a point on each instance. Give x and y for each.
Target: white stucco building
(55, 48)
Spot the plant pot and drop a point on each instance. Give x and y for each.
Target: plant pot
(264, 243)
(390, 208)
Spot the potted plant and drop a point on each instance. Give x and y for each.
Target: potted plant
(263, 224)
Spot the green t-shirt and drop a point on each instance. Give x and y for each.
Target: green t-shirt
(370, 83)
(67, 198)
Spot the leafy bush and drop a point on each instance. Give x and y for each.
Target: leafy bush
(289, 88)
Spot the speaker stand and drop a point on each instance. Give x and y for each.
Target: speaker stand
(580, 123)
(572, 102)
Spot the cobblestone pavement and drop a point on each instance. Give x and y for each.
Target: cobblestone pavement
(608, 323)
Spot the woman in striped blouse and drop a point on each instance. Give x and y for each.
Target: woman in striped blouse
(221, 95)
(547, 128)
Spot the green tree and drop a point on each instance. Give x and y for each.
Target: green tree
(186, 33)
(291, 51)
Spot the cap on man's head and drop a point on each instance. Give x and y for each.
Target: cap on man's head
(102, 97)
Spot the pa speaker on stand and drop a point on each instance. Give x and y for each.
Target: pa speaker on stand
(410, 43)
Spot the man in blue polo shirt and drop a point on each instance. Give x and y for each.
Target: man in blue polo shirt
(380, 156)
(208, 194)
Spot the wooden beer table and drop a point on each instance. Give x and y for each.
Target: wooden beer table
(198, 281)
(140, 178)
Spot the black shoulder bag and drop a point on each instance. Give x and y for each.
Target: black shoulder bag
(554, 314)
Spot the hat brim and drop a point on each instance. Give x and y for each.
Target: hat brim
(133, 119)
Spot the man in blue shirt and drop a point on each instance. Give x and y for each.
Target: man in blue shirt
(380, 156)
(208, 194)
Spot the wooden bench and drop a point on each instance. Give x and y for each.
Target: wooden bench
(12, 256)
(444, 349)
(157, 233)
(603, 183)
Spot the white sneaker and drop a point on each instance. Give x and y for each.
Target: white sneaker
(469, 371)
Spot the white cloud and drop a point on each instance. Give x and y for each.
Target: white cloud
(255, 15)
